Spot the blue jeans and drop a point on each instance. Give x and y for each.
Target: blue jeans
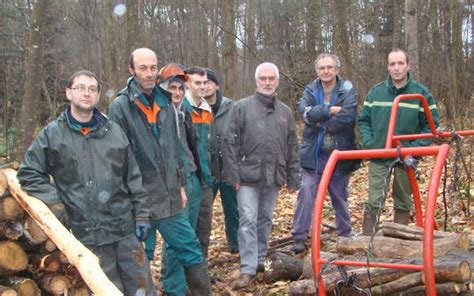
(304, 204)
(256, 206)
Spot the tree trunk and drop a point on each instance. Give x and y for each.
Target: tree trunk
(229, 54)
(133, 30)
(411, 36)
(12, 258)
(23, 285)
(33, 79)
(441, 289)
(387, 247)
(341, 35)
(279, 266)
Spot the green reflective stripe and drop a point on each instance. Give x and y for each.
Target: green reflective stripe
(411, 106)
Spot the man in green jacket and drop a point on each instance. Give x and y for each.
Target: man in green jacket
(373, 124)
(220, 106)
(97, 189)
(145, 112)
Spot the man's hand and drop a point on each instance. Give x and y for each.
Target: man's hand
(142, 227)
(237, 186)
(59, 210)
(184, 197)
(334, 109)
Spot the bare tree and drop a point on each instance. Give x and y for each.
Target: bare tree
(411, 36)
(33, 80)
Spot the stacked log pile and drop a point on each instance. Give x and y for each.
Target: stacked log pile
(30, 263)
(394, 243)
(56, 262)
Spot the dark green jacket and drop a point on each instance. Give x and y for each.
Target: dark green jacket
(411, 119)
(217, 137)
(260, 144)
(95, 176)
(158, 159)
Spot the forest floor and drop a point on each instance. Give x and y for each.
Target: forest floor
(224, 267)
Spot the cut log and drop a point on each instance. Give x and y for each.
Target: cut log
(405, 282)
(56, 284)
(12, 258)
(49, 246)
(33, 232)
(78, 291)
(49, 262)
(3, 184)
(10, 230)
(441, 289)
(23, 286)
(279, 266)
(10, 209)
(387, 247)
(78, 255)
(302, 288)
(7, 291)
(410, 232)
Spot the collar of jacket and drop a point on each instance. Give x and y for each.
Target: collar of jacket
(226, 104)
(161, 96)
(395, 90)
(267, 101)
(204, 104)
(101, 120)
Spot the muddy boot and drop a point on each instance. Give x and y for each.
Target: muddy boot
(401, 217)
(299, 246)
(197, 278)
(368, 224)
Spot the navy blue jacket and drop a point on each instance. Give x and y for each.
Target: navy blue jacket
(340, 125)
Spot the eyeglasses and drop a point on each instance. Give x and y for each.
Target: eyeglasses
(82, 89)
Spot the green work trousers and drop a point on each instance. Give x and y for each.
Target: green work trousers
(401, 193)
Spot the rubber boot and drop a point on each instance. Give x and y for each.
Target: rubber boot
(401, 217)
(368, 224)
(197, 278)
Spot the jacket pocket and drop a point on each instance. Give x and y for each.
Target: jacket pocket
(250, 171)
(280, 172)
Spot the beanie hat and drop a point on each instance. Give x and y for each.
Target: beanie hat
(211, 75)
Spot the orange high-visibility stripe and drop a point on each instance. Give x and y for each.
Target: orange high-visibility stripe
(204, 117)
(150, 113)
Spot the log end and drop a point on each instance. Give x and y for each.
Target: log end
(12, 258)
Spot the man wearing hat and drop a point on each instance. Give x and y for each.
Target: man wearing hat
(172, 78)
(220, 106)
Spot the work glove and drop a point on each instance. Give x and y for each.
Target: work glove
(142, 227)
(59, 211)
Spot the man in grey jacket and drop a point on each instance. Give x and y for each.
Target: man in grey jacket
(260, 156)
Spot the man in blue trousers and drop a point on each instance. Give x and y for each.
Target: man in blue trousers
(329, 110)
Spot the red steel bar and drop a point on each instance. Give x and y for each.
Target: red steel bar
(374, 264)
(416, 196)
(441, 151)
(389, 142)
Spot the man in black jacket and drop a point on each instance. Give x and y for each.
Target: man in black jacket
(260, 156)
(97, 189)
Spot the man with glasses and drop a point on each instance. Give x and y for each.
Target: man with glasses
(260, 156)
(97, 189)
(145, 112)
(329, 110)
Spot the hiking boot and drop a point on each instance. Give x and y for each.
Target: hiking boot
(299, 246)
(234, 250)
(368, 224)
(260, 267)
(401, 217)
(244, 281)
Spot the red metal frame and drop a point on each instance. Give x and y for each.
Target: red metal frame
(441, 153)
